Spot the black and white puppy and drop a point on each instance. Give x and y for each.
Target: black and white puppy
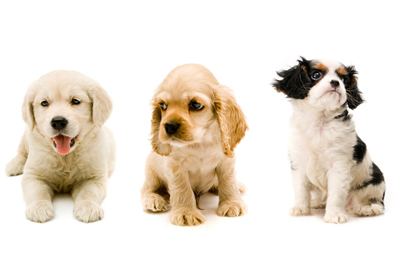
(331, 166)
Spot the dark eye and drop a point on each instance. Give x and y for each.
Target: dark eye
(196, 106)
(44, 103)
(163, 106)
(316, 75)
(345, 81)
(75, 102)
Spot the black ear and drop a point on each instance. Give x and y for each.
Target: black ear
(354, 98)
(295, 82)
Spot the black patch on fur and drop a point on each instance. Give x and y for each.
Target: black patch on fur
(344, 116)
(376, 201)
(295, 82)
(354, 98)
(360, 149)
(376, 178)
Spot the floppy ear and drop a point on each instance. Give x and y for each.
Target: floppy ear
(27, 111)
(158, 147)
(232, 122)
(102, 105)
(295, 82)
(354, 98)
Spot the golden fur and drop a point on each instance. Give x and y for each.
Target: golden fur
(84, 171)
(199, 157)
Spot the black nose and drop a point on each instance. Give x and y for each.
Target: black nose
(171, 127)
(334, 83)
(59, 123)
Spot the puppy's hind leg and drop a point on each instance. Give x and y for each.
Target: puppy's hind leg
(153, 193)
(16, 166)
(368, 198)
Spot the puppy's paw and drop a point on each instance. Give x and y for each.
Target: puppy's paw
(155, 202)
(87, 211)
(336, 217)
(40, 211)
(232, 209)
(186, 217)
(317, 204)
(16, 166)
(300, 211)
(368, 210)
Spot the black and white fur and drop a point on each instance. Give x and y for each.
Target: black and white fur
(331, 166)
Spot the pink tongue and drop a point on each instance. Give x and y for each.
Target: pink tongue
(63, 144)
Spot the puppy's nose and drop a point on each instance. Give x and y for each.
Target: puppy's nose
(171, 127)
(334, 83)
(59, 123)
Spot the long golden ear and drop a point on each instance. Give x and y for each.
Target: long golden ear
(102, 105)
(158, 147)
(27, 110)
(231, 119)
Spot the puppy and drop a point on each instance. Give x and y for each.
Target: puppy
(65, 147)
(196, 125)
(330, 163)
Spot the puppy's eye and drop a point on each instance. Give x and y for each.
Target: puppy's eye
(196, 106)
(345, 81)
(163, 106)
(75, 102)
(44, 103)
(316, 75)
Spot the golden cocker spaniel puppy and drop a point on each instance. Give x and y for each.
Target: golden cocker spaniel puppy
(196, 125)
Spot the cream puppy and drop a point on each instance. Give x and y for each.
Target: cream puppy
(196, 124)
(65, 147)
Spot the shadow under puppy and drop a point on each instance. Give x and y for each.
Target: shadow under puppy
(65, 147)
(330, 164)
(196, 124)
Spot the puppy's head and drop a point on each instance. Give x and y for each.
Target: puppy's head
(324, 84)
(64, 106)
(186, 106)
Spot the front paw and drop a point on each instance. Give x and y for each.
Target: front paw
(155, 203)
(87, 211)
(232, 209)
(336, 217)
(186, 217)
(40, 211)
(300, 211)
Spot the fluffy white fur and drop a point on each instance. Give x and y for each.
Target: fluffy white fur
(321, 148)
(85, 170)
(198, 158)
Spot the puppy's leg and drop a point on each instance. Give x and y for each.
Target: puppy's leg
(151, 200)
(184, 211)
(88, 196)
(38, 197)
(302, 196)
(339, 179)
(231, 203)
(16, 166)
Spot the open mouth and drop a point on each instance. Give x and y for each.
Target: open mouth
(63, 144)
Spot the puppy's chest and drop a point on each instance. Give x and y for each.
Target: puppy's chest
(63, 172)
(200, 165)
(321, 143)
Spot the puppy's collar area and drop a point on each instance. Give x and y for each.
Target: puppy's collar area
(344, 115)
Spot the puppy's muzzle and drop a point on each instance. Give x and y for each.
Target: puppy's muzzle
(334, 83)
(59, 123)
(171, 127)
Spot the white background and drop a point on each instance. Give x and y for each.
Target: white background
(129, 47)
